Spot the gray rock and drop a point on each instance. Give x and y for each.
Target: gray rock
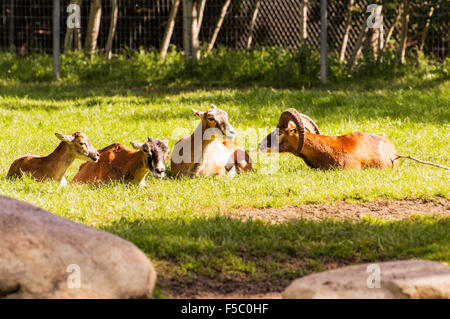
(37, 249)
(398, 279)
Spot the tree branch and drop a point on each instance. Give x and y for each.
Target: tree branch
(418, 160)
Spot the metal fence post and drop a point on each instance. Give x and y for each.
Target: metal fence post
(323, 41)
(56, 37)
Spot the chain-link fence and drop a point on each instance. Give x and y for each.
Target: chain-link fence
(26, 25)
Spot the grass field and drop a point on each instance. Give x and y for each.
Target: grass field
(182, 224)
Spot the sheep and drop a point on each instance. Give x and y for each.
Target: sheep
(202, 154)
(354, 150)
(117, 162)
(54, 166)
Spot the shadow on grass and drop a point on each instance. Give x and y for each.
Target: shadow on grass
(62, 91)
(206, 254)
(251, 104)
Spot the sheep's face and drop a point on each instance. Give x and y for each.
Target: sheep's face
(281, 140)
(156, 152)
(215, 122)
(80, 146)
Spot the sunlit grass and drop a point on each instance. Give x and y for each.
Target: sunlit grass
(177, 222)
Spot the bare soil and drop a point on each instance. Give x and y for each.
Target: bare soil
(386, 209)
(225, 288)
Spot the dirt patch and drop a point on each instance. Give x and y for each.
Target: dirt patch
(241, 288)
(386, 209)
(222, 288)
(201, 287)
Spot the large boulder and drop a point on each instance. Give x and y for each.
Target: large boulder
(397, 279)
(45, 256)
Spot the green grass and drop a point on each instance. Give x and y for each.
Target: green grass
(179, 222)
(266, 66)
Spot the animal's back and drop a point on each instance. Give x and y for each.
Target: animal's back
(367, 150)
(103, 170)
(24, 164)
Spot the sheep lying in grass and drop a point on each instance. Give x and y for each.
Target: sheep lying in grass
(298, 134)
(205, 153)
(54, 166)
(117, 162)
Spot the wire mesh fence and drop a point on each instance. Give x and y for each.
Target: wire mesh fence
(26, 25)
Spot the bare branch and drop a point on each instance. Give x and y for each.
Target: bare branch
(112, 28)
(420, 161)
(253, 23)
(425, 29)
(404, 34)
(169, 29)
(348, 26)
(223, 13)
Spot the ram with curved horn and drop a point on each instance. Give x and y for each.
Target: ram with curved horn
(298, 134)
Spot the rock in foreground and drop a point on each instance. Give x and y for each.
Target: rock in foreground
(46, 256)
(397, 279)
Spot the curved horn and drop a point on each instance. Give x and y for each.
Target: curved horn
(309, 124)
(293, 115)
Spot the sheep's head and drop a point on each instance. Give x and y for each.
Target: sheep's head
(215, 122)
(79, 146)
(289, 135)
(156, 152)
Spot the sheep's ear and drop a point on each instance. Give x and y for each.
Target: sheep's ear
(292, 129)
(137, 146)
(198, 113)
(64, 137)
(213, 106)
